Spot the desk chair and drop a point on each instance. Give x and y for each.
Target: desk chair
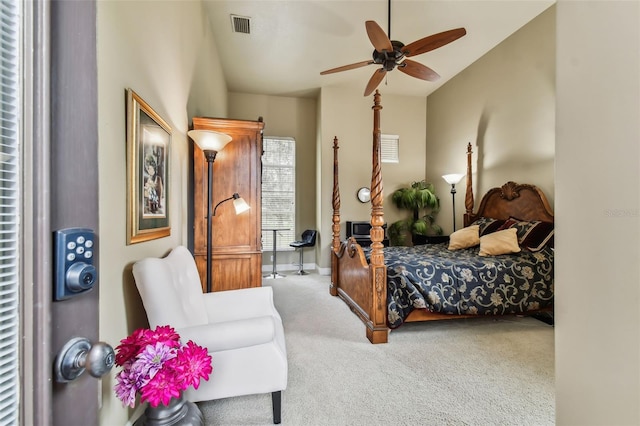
(308, 240)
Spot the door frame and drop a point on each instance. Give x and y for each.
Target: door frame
(61, 152)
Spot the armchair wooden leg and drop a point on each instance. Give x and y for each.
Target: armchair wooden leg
(276, 398)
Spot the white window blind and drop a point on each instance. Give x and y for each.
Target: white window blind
(278, 192)
(390, 148)
(10, 101)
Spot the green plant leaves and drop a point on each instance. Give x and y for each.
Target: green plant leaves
(419, 196)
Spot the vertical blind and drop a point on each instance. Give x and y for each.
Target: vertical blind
(278, 192)
(10, 101)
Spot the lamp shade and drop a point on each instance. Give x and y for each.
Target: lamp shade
(240, 205)
(452, 178)
(209, 140)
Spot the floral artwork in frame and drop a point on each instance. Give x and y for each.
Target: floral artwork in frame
(148, 148)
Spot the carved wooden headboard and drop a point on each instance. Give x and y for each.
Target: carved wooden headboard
(521, 201)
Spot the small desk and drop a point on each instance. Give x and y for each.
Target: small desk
(274, 274)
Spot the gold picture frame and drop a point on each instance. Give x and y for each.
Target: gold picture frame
(148, 148)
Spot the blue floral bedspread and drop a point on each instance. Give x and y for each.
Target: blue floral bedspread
(433, 277)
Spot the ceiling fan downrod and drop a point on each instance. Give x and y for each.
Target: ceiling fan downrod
(389, 20)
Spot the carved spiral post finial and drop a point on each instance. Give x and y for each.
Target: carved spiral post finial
(377, 331)
(336, 198)
(377, 215)
(468, 200)
(335, 227)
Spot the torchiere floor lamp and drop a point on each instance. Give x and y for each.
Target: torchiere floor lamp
(211, 142)
(452, 179)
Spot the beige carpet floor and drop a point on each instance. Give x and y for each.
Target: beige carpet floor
(458, 372)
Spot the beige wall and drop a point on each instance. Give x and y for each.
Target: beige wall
(161, 50)
(297, 117)
(597, 183)
(348, 115)
(504, 104)
(598, 213)
(288, 117)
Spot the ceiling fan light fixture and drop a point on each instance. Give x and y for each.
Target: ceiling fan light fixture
(392, 53)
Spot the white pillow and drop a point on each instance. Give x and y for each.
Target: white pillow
(499, 242)
(465, 238)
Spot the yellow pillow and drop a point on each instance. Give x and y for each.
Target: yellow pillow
(465, 238)
(500, 242)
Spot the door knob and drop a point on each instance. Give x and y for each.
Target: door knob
(78, 355)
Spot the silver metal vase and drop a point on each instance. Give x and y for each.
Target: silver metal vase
(178, 412)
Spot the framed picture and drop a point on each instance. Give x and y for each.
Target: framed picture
(148, 148)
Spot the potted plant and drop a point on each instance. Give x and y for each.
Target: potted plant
(420, 199)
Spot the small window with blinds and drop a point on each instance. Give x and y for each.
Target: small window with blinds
(278, 192)
(10, 161)
(390, 148)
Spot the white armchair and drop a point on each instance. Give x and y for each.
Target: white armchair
(241, 329)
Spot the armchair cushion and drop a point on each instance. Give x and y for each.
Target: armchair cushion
(228, 335)
(232, 305)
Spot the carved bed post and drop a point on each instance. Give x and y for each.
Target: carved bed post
(335, 242)
(468, 199)
(377, 331)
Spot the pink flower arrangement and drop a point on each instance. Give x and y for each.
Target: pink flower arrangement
(158, 367)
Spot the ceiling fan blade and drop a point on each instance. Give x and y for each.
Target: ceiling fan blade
(378, 37)
(432, 42)
(417, 70)
(347, 67)
(375, 80)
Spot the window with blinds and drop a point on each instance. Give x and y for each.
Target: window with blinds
(278, 192)
(390, 148)
(10, 101)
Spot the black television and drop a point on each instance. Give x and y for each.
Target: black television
(360, 231)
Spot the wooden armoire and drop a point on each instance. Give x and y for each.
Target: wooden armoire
(236, 241)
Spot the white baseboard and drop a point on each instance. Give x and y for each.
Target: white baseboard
(289, 267)
(324, 271)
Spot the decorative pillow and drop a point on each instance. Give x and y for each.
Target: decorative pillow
(499, 242)
(532, 235)
(465, 238)
(488, 225)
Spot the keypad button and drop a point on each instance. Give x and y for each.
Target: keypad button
(80, 250)
(88, 254)
(71, 257)
(71, 245)
(88, 244)
(80, 239)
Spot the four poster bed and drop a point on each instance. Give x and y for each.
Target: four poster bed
(387, 286)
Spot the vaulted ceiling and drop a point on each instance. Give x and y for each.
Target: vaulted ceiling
(292, 41)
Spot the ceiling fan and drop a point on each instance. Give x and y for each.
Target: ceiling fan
(392, 53)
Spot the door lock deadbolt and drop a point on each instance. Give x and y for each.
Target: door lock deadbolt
(74, 272)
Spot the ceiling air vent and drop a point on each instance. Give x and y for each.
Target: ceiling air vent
(241, 24)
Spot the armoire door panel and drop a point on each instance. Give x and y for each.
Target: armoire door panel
(236, 239)
(231, 272)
